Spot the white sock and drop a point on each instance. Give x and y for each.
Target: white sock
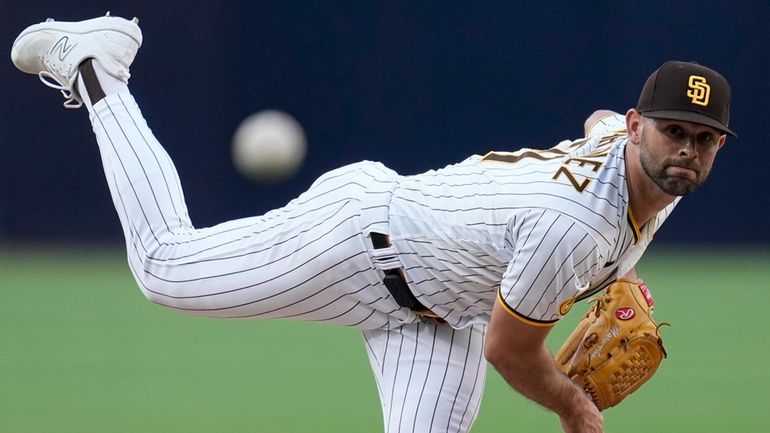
(108, 83)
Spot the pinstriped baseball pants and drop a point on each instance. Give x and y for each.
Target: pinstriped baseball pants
(310, 260)
(430, 377)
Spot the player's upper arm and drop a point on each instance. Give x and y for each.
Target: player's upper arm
(553, 261)
(604, 122)
(506, 335)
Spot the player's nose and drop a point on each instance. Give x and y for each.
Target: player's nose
(688, 149)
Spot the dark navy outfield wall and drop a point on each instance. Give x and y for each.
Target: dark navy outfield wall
(416, 85)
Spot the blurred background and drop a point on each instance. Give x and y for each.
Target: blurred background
(415, 85)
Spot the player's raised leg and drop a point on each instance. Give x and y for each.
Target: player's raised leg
(430, 377)
(307, 260)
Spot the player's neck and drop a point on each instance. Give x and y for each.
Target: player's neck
(646, 199)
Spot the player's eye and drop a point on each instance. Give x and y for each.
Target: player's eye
(706, 138)
(674, 131)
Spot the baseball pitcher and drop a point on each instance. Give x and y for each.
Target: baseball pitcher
(442, 271)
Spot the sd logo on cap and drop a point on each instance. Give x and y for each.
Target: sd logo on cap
(687, 91)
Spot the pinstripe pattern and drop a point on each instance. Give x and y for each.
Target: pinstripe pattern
(544, 227)
(430, 377)
(460, 234)
(608, 125)
(307, 260)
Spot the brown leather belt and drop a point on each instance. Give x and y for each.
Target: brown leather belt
(396, 283)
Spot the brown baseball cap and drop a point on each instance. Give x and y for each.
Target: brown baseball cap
(687, 91)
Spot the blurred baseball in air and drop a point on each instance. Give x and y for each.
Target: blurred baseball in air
(269, 146)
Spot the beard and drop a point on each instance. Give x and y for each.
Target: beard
(658, 168)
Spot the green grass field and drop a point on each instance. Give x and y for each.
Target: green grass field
(82, 351)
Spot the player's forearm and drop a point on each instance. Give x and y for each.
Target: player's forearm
(517, 350)
(536, 377)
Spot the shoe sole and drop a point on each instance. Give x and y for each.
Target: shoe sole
(101, 24)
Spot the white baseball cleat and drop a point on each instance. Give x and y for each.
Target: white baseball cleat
(54, 50)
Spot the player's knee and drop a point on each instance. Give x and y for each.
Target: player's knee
(151, 290)
(154, 288)
(181, 297)
(167, 296)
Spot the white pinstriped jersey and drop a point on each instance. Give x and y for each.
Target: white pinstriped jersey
(538, 229)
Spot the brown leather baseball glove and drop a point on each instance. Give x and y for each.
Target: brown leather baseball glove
(616, 347)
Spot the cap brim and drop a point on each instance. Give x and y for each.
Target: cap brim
(689, 116)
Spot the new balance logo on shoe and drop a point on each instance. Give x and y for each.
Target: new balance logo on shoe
(62, 47)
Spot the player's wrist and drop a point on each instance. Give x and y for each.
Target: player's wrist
(581, 414)
(576, 402)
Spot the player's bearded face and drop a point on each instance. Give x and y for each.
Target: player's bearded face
(675, 173)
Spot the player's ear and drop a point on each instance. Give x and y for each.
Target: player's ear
(722, 139)
(633, 125)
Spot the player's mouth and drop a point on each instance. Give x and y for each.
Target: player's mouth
(682, 171)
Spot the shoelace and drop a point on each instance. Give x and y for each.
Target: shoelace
(72, 102)
(51, 81)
